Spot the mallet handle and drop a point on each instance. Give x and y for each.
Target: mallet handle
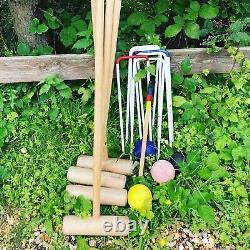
(145, 130)
(98, 115)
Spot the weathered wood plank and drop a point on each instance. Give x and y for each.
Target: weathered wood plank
(73, 67)
(36, 68)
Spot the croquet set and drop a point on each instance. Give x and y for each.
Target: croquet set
(98, 177)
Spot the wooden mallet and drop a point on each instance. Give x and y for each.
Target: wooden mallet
(98, 225)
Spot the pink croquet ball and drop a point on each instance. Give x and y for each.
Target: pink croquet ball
(162, 171)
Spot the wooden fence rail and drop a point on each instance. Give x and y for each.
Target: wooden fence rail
(73, 67)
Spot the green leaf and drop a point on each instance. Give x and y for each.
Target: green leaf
(66, 93)
(192, 30)
(42, 50)
(80, 25)
(208, 12)
(177, 78)
(86, 94)
(186, 66)
(206, 212)
(173, 30)
(148, 27)
(3, 132)
(44, 89)
(83, 43)
(81, 243)
(53, 113)
(241, 191)
(162, 6)
(238, 152)
(151, 69)
(48, 227)
(52, 21)
(219, 173)
(240, 37)
(23, 49)
(160, 19)
(213, 161)
(61, 86)
(37, 28)
(68, 36)
(191, 15)
(137, 18)
(141, 74)
(179, 20)
(195, 6)
(190, 83)
(178, 101)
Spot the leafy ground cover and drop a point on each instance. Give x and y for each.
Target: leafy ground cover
(44, 128)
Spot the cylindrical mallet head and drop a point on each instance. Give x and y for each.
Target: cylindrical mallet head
(100, 226)
(85, 176)
(109, 196)
(118, 166)
(162, 171)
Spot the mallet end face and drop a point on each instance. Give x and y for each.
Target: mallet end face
(100, 226)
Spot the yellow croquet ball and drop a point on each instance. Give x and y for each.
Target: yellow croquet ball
(140, 198)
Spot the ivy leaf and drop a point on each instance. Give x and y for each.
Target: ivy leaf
(23, 49)
(68, 36)
(52, 21)
(44, 89)
(186, 66)
(178, 101)
(137, 18)
(208, 12)
(37, 28)
(173, 30)
(83, 44)
(206, 212)
(192, 30)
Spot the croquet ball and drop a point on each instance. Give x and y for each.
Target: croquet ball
(150, 149)
(176, 159)
(162, 171)
(140, 198)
